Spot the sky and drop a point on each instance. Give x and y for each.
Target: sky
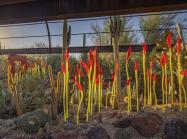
(33, 30)
(56, 28)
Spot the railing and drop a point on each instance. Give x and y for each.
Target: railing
(84, 37)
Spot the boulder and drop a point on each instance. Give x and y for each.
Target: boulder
(122, 133)
(147, 124)
(97, 117)
(68, 136)
(122, 123)
(175, 129)
(7, 123)
(109, 115)
(4, 132)
(97, 133)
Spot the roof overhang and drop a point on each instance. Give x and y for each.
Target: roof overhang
(19, 11)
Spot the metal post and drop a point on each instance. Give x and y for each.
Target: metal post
(49, 36)
(111, 41)
(84, 40)
(100, 40)
(0, 48)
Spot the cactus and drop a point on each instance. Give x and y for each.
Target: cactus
(12, 83)
(66, 37)
(31, 122)
(115, 30)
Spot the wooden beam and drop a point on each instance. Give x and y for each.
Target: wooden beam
(9, 2)
(41, 10)
(55, 50)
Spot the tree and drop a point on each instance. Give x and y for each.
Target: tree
(39, 44)
(105, 39)
(156, 22)
(115, 35)
(115, 30)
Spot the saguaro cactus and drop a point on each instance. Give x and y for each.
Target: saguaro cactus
(66, 37)
(115, 29)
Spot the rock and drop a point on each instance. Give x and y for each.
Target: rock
(68, 136)
(119, 116)
(147, 124)
(40, 133)
(121, 104)
(19, 137)
(122, 134)
(109, 115)
(175, 129)
(7, 123)
(62, 136)
(98, 117)
(69, 126)
(96, 108)
(94, 123)
(83, 126)
(4, 132)
(97, 133)
(82, 117)
(122, 123)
